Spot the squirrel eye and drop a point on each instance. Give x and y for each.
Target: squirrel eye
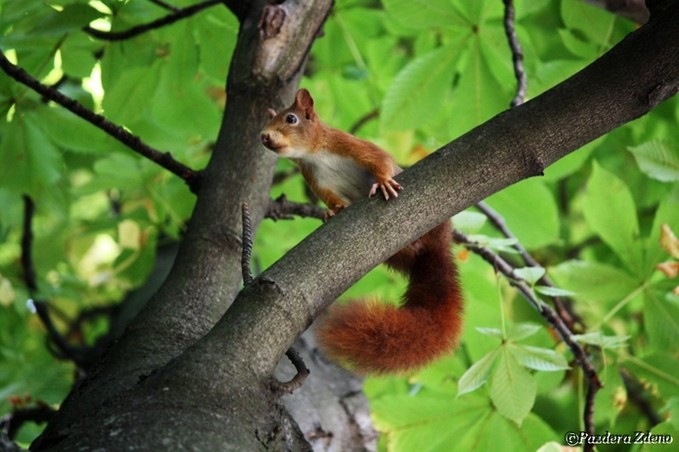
(291, 119)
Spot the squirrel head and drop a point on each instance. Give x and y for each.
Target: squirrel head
(293, 132)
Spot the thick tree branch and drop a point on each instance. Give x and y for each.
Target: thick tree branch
(177, 15)
(132, 141)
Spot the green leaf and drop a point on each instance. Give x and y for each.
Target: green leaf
(593, 282)
(494, 332)
(659, 370)
(554, 291)
(539, 358)
(577, 46)
(469, 222)
(477, 374)
(657, 160)
(71, 18)
(128, 99)
(74, 134)
(500, 245)
(409, 422)
(30, 162)
(472, 95)
(421, 84)
(512, 388)
(523, 330)
(216, 32)
(661, 320)
(423, 14)
(530, 211)
(594, 24)
(611, 212)
(530, 274)
(433, 423)
(600, 340)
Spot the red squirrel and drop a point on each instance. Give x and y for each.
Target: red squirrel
(367, 336)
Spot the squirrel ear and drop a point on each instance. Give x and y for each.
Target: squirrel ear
(305, 102)
(271, 112)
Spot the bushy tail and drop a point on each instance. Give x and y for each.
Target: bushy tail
(378, 338)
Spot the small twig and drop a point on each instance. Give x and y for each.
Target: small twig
(281, 208)
(177, 15)
(164, 159)
(297, 381)
(570, 317)
(12, 422)
(27, 247)
(247, 245)
(364, 120)
(593, 382)
(517, 54)
(65, 350)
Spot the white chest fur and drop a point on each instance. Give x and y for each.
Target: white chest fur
(342, 175)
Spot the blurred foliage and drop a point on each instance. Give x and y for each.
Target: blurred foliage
(432, 70)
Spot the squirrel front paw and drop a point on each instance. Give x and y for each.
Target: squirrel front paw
(388, 187)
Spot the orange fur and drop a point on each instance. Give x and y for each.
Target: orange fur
(379, 338)
(372, 337)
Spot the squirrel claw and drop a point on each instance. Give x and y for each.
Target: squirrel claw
(389, 188)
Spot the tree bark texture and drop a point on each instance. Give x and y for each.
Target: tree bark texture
(195, 371)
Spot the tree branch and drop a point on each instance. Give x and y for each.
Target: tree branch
(568, 316)
(177, 15)
(281, 208)
(517, 54)
(27, 247)
(164, 159)
(12, 422)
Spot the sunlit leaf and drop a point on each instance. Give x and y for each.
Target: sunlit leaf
(530, 274)
(601, 340)
(477, 374)
(512, 388)
(538, 358)
(523, 330)
(657, 160)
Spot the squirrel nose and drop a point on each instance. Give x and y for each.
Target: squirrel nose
(266, 139)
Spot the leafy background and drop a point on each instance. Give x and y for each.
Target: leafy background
(428, 71)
